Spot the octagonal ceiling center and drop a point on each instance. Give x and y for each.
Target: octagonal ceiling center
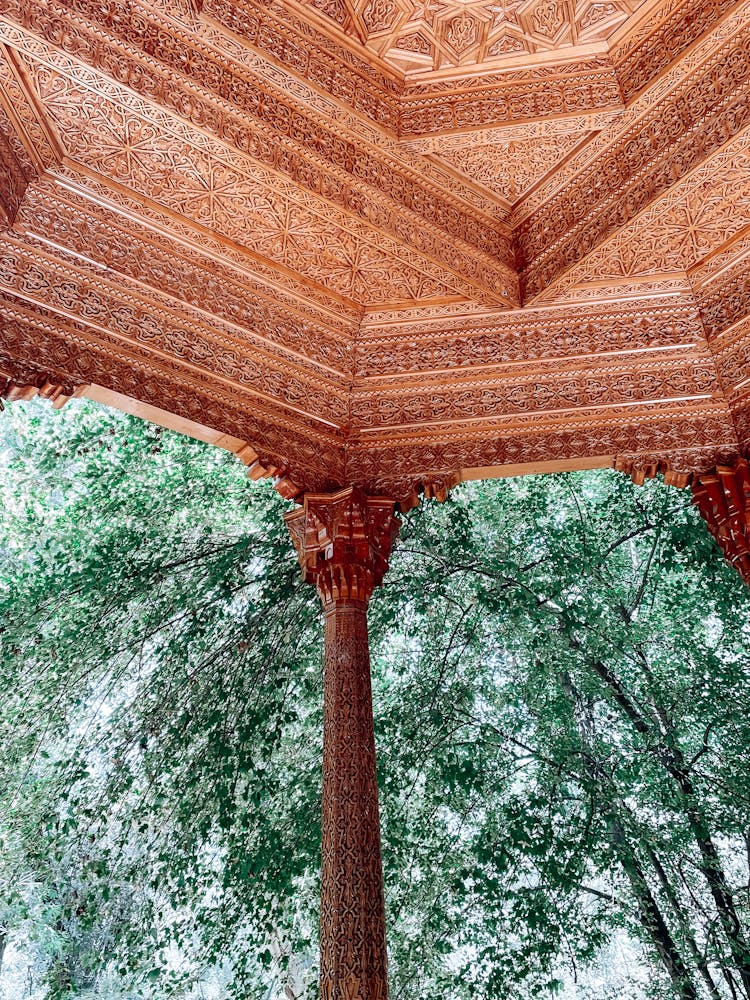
(421, 37)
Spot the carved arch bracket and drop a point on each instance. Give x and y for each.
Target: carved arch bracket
(46, 389)
(723, 499)
(722, 496)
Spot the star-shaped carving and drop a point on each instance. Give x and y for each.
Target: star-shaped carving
(427, 10)
(504, 12)
(284, 232)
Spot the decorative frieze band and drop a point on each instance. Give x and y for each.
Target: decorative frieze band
(662, 38)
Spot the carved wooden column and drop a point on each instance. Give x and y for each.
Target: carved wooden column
(723, 498)
(343, 541)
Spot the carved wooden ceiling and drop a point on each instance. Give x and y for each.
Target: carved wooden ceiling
(416, 38)
(382, 261)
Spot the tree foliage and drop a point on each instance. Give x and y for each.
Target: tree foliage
(560, 680)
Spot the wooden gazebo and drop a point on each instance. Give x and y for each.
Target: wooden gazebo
(377, 247)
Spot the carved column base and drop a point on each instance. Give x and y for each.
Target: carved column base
(723, 498)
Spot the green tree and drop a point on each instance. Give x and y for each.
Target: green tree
(560, 675)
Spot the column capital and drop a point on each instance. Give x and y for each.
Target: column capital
(343, 541)
(723, 498)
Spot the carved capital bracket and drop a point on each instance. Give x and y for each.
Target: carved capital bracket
(57, 394)
(723, 499)
(283, 482)
(343, 541)
(722, 495)
(640, 470)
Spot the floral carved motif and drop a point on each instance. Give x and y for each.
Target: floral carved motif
(265, 320)
(725, 300)
(688, 436)
(17, 168)
(512, 338)
(576, 93)
(13, 181)
(135, 320)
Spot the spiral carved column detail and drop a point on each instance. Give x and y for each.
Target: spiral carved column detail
(343, 541)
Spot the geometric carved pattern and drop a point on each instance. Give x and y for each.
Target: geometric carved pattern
(353, 961)
(511, 168)
(422, 36)
(227, 195)
(678, 230)
(648, 171)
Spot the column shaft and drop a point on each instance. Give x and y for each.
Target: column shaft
(352, 914)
